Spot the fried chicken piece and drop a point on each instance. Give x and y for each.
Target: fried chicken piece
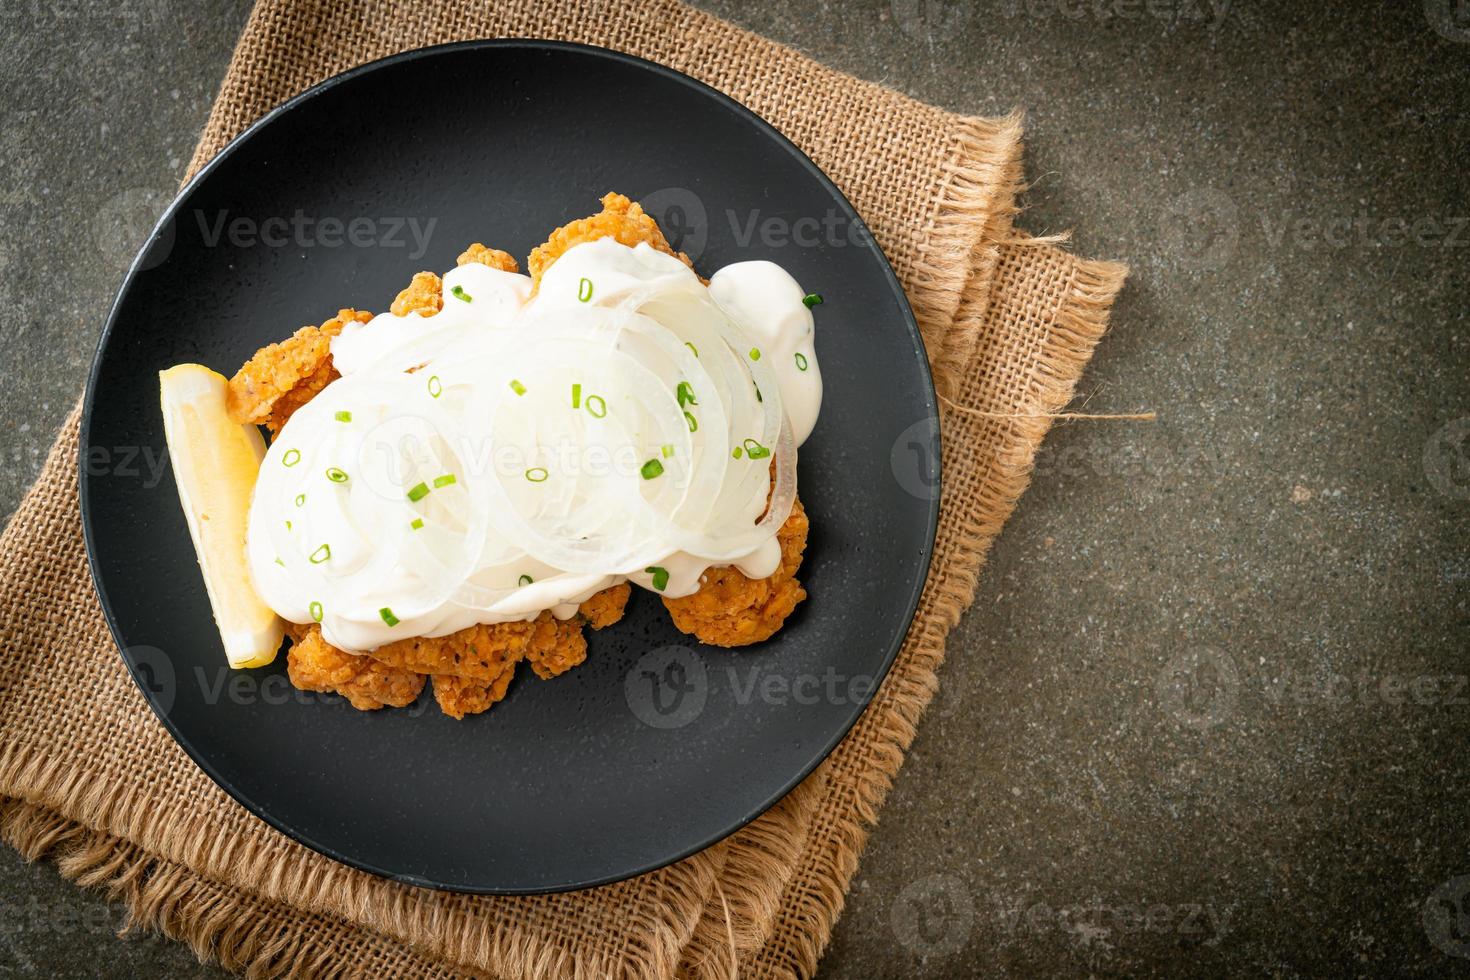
(424, 295)
(493, 257)
(313, 664)
(619, 218)
(730, 610)
(460, 696)
(606, 607)
(282, 377)
(557, 646)
(479, 653)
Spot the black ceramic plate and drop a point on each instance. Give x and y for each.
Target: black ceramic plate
(656, 746)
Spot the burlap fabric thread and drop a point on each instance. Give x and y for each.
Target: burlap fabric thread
(91, 780)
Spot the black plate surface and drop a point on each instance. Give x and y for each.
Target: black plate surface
(656, 746)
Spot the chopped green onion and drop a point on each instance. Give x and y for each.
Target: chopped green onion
(321, 554)
(660, 576)
(690, 421)
(288, 525)
(537, 474)
(388, 616)
(300, 499)
(279, 562)
(343, 416)
(755, 353)
(459, 293)
(812, 299)
(584, 290)
(735, 452)
(443, 481)
(800, 361)
(651, 469)
(599, 409)
(416, 523)
(336, 475)
(292, 457)
(436, 387)
(517, 387)
(525, 580)
(418, 492)
(692, 347)
(576, 396)
(758, 396)
(316, 611)
(755, 450)
(667, 450)
(685, 393)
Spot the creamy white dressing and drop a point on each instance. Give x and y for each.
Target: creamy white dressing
(513, 454)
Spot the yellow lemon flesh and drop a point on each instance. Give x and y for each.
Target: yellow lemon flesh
(215, 464)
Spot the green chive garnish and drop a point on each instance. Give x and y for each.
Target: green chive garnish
(288, 525)
(388, 616)
(336, 475)
(576, 396)
(537, 474)
(667, 450)
(692, 347)
(660, 576)
(279, 562)
(735, 452)
(800, 361)
(584, 290)
(436, 387)
(316, 611)
(416, 523)
(755, 353)
(443, 481)
(459, 293)
(525, 580)
(300, 499)
(652, 468)
(596, 406)
(755, 450)
(690, 421)
(685, 393)
(517, 387)
(812, 299)
(343, 416)
(321, 554)
(292, 457)
(418, 492)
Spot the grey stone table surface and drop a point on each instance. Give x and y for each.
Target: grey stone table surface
(1209, 712)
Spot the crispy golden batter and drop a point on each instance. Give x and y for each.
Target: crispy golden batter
(557, 646)
(493, 257)
(619, 218)
(606, 607)
(478, 652)
(730, 610)
(460, 696)
(313, 664)
(282, 377)
(424, 296)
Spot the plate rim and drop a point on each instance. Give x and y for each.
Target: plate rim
(135, 268)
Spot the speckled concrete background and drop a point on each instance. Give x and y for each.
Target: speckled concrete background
(1210, 710)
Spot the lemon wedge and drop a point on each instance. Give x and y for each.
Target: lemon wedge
(215, 464)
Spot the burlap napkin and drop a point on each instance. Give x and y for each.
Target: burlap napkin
(89, 778)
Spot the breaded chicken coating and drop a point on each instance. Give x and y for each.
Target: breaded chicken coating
(477, 652)
(606, 607)
(424, 295)
(313, 664)
(730, 610)
(282, 377)
(619, 218)
(493, 257)
(460, 696)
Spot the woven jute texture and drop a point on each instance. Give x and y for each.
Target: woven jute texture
(91, 780)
